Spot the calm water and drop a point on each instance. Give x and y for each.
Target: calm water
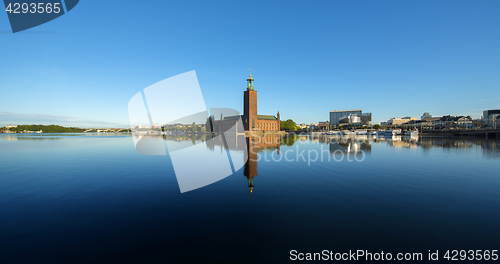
(95, 199)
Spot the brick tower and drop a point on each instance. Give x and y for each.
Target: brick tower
(250, 106)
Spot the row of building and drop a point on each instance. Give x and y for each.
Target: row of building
(339, 118)
(490, 118)
(356, 117)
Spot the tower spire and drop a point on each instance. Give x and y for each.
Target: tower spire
(250, 81)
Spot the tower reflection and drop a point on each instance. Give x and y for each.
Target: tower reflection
(251, 146)
(256, 144)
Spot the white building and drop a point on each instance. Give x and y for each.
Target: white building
(399, 120)
(303, 126)
(491, 117)
(426, 116)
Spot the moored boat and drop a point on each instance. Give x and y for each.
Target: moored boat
(361, 132)
(331, 132)
(389, 133)
(412, 133)
(347, 132)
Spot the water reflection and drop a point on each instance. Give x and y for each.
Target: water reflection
(347, 145)
(350, 146)
(254, 145)
(403, 142)
(489, 147)
(338, 145)
(251, 146)
(353, 144)
(27, 138)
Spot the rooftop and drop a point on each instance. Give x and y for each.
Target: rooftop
(266, 117)
(345, 110)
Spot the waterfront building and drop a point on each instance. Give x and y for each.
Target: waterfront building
(337, 115)
(464, 122)
(324, 125)
(349, 117)
(303, 126)
(444, 122)
(252, 121)
(366, 118)
(399, 121)
(491, 117)
(477, 123)
(426, 116)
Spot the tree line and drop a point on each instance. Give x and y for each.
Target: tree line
(45, 129)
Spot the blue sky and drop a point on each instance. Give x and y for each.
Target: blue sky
(391, 58)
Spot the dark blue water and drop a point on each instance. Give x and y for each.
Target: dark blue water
(94, 199)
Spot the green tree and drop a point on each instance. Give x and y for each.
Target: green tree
(193, 127)
(377, 126)
(289, 140)
(288, 125)
(47, 129)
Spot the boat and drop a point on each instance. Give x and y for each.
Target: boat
(347, 132)
(331, 132)
(413, 133)
(361, 132)
(384, 133)
(389, 133)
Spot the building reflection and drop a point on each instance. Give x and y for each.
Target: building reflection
(490, 147)
(251, 145)
(350, 146)
(403, 142)
(257, 144)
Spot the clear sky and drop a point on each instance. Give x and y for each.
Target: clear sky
(391, 58)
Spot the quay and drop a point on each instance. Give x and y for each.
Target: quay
(489, 132)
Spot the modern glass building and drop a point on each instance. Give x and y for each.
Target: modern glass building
(338, 117)
(491, 117)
